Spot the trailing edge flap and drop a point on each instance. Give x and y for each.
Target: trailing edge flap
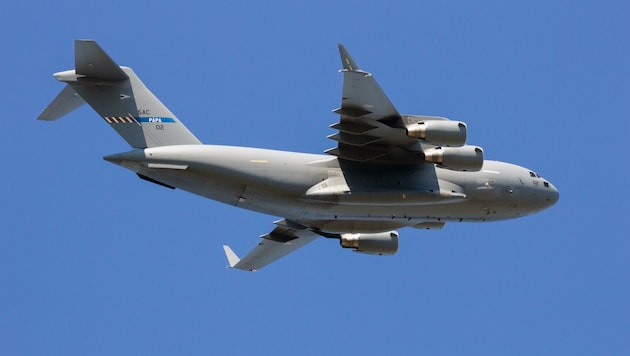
(91, 61)
(284, 239)
(66, 101)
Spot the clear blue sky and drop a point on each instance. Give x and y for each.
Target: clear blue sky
(94, 261)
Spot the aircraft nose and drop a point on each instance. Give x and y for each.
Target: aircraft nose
(553, 195)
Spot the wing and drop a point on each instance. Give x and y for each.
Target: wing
(284, 239)
(370, 128)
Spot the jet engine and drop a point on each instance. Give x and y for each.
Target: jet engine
(439, 132)
(382, 243)
(464, 158)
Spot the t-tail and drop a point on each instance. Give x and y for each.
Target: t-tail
(117, 94)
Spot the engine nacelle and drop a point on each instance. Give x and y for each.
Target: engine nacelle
(439, 132)
(382, 243)
(465, 158)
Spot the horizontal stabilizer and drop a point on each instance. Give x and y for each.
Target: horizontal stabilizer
(67, 101)
(91, 61)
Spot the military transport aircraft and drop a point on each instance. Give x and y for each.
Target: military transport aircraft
(387, 171)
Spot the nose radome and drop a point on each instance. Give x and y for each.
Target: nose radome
(554, 194)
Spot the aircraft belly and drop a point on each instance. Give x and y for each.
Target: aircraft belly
(275, 199)
(376, 218)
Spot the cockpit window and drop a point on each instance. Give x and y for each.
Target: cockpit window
(532, 174)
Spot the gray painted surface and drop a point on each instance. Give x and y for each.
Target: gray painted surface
(377, 179)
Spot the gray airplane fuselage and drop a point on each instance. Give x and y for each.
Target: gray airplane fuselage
(334, 195)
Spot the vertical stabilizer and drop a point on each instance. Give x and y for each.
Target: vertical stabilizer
(119, 97)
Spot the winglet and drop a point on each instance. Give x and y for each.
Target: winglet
(346, 60)
(231, 256)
